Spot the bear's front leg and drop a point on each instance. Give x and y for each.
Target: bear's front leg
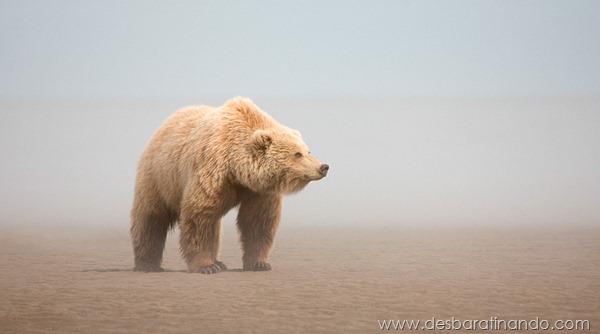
(199, 242)
(258, 220)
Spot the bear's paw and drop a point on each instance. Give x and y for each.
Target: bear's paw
(216, 267)
(257, 266)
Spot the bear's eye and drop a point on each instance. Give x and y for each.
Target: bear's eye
(298, 155)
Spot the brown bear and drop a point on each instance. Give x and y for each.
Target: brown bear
(203, 162)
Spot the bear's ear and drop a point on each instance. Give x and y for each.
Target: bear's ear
(262, 139)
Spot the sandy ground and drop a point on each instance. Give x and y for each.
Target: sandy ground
(325, 280)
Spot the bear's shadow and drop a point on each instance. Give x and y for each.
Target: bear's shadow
(111, 270)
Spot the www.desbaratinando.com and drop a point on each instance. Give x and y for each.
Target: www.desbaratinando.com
(493, 323)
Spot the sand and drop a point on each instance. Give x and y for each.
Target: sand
(332, 279)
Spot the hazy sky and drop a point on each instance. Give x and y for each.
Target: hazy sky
(191, 49)
(427, 111)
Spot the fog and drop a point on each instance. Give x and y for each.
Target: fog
(395, 162)
(427, 112)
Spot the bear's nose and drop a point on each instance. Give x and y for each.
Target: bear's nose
(324, 168)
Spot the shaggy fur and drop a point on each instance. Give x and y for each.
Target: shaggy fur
(201, 163)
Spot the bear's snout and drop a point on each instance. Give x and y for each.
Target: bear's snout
(324, 169)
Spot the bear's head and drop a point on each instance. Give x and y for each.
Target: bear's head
(281, 162)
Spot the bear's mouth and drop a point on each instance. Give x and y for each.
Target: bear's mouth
(314, 177)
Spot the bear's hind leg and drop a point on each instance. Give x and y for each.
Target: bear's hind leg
(258, 220)
(148, 235)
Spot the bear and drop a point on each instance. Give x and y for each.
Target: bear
(203, 162)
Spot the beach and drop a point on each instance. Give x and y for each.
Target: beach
(325, 279)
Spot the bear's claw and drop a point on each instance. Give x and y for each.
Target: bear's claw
(216, 267)
(221, 265)
(257, 266)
